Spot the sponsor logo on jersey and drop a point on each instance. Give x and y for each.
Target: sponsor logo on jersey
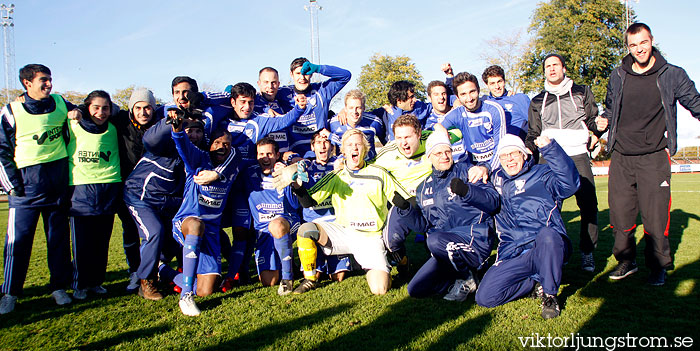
(458, 149)
(428, 202)
(266, 217)
(363, 225)
(304, 129)
(327, 203)
(519, 186)
(278, 136)
(473, 123)
(483, 156)
(85, 156)
(209, 202)
(508, 107)
(51, 135)
(267, 184)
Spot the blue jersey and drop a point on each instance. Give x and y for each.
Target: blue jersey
(421, 110)
(209, 99)
(324, 210)
(481, 130)
(206, 202)
(318, 100)
(246, 132)
(369, 124)
(458, 152)
(266, 203)
(516, 109)
(278, 106)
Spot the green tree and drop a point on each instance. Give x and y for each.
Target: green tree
(589, 34)
(382, 70)
(13, 93)
(121, 97)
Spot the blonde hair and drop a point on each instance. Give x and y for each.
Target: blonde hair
(355, 94)
(349, 133)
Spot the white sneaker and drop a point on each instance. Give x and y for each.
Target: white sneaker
(78, 294)
(188, 306)
(134, 282)
(100, 290)
(461, 289)
(61, 297)
(7, 303)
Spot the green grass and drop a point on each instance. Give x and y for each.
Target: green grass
(345, 315)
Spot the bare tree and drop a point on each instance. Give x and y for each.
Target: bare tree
(506, 50)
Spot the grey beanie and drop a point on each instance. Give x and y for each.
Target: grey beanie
(141, 94)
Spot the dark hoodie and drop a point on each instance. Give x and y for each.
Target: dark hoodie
(642, 125)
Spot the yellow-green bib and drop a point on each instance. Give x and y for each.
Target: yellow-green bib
(38, 137)
(93, 158)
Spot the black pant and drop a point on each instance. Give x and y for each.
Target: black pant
(90, 237)
(587, 202)
(641, 183)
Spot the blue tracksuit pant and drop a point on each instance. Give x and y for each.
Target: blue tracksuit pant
(513, 278)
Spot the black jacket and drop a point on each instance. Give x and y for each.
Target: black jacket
(674, 85)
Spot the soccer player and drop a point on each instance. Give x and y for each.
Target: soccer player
(270, 101)
(515, 106)
(533, 244)
(482, 123)
(34, 173)
(275, 219)
(457, 216)
(402, 100)
(442, 101)
(95, 179)
(153, 190)
(196, 224)
(369, 124)
(246, 127)
(318, 95)
(359, 193)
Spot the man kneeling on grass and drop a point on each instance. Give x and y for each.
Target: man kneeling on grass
(533, 242)
(359, 194)
(196, 224)
(457, 216)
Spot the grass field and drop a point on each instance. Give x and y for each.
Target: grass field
(343, 316)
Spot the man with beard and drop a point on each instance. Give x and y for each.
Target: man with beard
(640, 107)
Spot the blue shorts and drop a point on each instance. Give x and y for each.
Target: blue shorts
(332, 264)
(266, 257)
(209, 248)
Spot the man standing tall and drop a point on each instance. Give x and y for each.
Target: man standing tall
(640, 107)
(565, 111)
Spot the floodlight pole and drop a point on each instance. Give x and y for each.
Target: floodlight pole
(8, 26)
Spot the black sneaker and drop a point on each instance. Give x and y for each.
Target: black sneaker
(657, 277)
(306, 286)
(622, 270)
(537, 291)
(550, 307)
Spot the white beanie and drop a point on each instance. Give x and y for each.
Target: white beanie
(509, 142)
(435, 139)
(141, 94)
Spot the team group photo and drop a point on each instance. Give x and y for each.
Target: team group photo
(534, 184)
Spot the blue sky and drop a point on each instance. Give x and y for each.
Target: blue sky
(113, 44)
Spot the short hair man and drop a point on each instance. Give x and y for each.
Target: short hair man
(32, 147)
(533, 244)
(270, 101)
(458, 218)
(640, 106)
(515, 106)
(442, 101)
(566, 112)
(369, 124)
(318, 95)
(359, 193)
(402, 100)
(482, 123)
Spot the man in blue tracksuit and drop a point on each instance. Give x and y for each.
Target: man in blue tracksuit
(533, 242)
(34, 173)
(318, 96)
(457, 216)
(515, 106)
